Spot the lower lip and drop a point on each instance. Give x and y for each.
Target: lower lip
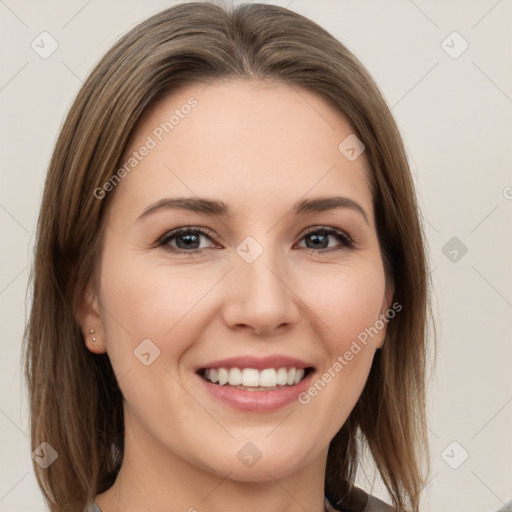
(257, 401)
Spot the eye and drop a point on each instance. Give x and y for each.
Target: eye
(318, 238)
(188, 240)
(185, 240)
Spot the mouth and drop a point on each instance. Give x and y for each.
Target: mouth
(254, 384)
(252, 379)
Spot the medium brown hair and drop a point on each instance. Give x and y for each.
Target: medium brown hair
(75, 402)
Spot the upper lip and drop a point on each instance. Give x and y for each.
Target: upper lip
(258, 363)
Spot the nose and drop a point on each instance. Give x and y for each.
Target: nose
(260, 297)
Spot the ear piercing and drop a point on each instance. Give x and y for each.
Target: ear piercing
(94, 337)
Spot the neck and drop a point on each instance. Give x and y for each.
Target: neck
(153, 478)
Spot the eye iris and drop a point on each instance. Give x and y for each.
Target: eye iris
(189, 237)
(322, 237)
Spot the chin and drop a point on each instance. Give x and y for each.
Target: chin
(250, 464)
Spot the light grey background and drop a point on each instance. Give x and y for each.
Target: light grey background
(455, 116)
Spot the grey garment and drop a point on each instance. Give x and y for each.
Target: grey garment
(360, 501)
(92, 507)
(369, 504)
(376, 505)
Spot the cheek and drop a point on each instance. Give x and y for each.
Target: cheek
(349, 329)
(349, 312)
(149, 302)
(348, 302)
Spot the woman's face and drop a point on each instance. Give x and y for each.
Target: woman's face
(263, 283)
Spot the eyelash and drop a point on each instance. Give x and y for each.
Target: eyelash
(347, 242)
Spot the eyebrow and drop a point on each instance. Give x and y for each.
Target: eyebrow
(218, 208)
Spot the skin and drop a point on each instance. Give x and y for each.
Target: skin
(258, 147)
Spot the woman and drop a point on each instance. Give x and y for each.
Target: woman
(230, 286)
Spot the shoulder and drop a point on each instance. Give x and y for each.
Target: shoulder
(359, 501)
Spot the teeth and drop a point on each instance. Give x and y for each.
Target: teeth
(282, 376)
(252, 378)
(235, 377)
(223, 376)
(268, 378)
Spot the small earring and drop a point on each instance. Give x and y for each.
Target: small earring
(92, 332)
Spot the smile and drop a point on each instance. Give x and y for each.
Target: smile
(256, 384)
(251, 379)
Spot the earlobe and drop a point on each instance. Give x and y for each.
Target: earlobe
(91, 323)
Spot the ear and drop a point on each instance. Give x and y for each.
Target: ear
(386, 305)
(88, 316)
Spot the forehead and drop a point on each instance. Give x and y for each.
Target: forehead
(247, 141)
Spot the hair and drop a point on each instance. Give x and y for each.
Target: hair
(75, 402)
